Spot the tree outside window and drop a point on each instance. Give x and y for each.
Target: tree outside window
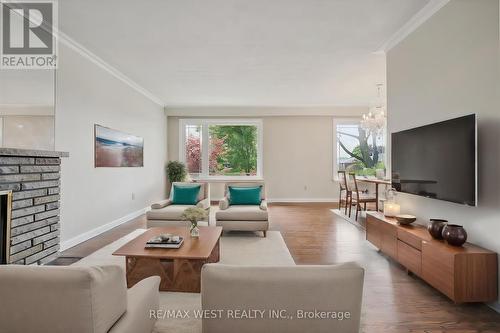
(231, 150)
(358, 150)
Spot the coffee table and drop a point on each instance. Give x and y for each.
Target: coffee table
(179, 269)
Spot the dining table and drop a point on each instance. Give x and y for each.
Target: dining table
(376, 182)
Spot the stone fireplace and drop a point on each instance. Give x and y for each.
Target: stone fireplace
(29, 205)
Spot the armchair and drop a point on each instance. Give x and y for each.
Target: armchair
(166, 213)
(243, 217)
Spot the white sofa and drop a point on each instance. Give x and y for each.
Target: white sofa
(243, 217)
(334, 290)
(75, 299)
(165, 213)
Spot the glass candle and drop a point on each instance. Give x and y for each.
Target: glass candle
(391, 209)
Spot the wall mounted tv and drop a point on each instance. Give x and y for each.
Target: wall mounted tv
(437, 161)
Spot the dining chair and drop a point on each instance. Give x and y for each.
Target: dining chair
(343, 188)
(358, 197)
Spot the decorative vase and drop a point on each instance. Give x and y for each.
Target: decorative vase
(194, 230)
(435, 228)
(454, 234)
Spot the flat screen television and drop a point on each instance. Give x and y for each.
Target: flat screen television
(437, 160)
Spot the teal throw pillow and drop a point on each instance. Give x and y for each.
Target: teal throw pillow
(185, 194)
(244, 195)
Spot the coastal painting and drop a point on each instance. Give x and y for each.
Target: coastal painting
(117, 149)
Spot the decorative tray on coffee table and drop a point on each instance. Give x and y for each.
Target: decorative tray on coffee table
(165, 241)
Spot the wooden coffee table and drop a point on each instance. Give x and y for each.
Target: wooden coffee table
(179, 269)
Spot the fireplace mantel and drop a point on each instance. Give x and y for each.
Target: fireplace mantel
(33, 178)
(32, 153)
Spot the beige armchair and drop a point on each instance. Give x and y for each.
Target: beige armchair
(243, 217)
(283, 294)
(165, 213)
(75, 299)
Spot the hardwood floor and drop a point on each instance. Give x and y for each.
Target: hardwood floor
(393, 300)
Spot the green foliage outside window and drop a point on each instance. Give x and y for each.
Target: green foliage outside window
(238, 152)
(232, 151)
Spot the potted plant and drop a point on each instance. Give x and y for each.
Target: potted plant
(176, 171)
(194, 215)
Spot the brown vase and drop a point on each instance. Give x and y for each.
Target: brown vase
(435, 228)
(454, 234)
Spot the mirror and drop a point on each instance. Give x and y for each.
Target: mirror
(27, 109)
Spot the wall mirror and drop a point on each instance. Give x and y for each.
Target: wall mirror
(27, 109)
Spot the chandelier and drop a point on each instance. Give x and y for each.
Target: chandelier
(374, 121)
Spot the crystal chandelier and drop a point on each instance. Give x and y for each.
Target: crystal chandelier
(374, 121)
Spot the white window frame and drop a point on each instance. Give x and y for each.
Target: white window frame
(340, 121)
(351, 121)
(205, 123)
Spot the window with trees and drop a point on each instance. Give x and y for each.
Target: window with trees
(356, 149)
(221, 148)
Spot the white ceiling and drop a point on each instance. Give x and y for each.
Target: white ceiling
(243, 52)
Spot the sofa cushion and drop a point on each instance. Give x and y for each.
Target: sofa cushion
(244, 195)
(243, 225)
(241, 213)
(185, 194)
(77, 299)
(172, 223)
(337, 289)
(171, 212)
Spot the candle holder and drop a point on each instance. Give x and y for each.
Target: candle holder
(391, 208)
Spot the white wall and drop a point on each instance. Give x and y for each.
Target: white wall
(297, 149)
(93, 197)
(27, 87)
(447, 68)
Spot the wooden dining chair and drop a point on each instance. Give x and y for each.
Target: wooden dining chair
(343, 188)
(358, 198)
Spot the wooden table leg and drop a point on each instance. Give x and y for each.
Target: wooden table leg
(181, 275)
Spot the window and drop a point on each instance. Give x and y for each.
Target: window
(357, 150)
(221, 148)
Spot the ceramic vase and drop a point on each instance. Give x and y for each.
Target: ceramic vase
(435, 228)
(454, 234)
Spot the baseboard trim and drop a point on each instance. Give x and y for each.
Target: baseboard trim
(495, 306)
(99, 230)
(301, 200)
(290, 200)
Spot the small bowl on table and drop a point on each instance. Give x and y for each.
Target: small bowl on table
(405, 219)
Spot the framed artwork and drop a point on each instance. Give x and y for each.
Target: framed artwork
(113, 148)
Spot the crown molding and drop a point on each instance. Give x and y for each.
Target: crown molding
(86, 53)
(416, 21)
(265, 111)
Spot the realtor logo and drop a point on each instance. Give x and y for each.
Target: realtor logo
(28, 34)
